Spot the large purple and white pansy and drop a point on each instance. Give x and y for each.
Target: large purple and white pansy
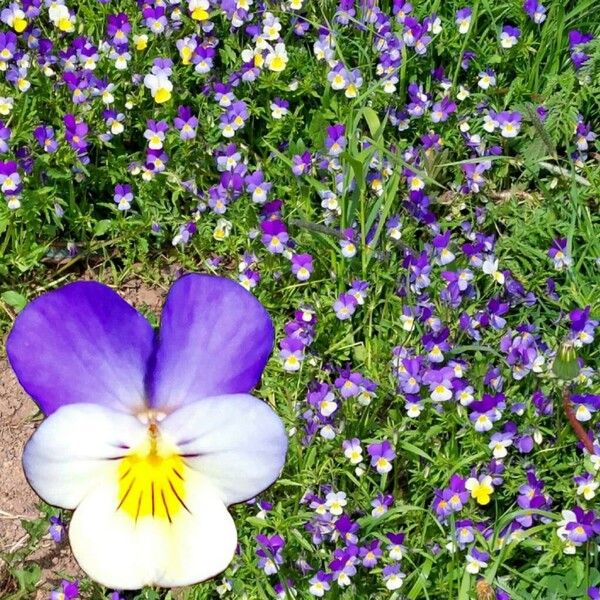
(149, 436)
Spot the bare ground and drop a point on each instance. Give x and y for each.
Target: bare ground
(17, 500)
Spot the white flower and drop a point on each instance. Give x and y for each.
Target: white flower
(474, 565)
(490, 267)
(328, 405)
(486, 80)
(160, 87)
(335, 502)
(354, 454)
(222, 229)
(441, 393)
(587, 489)
(277, 58)
(61, 17)
(395, 581)
(6, 105)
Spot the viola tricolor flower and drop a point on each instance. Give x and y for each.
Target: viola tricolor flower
(345, 306)
(509, 36)
(393, 576)
(123, 196)
(395, 153)
(381, 453)
(69, 590)
(535, 10)
(463, 19)
(577, 527)
(302, 266)
(582, 326)
(56, 529)
(148, 436)
(477, 560)
(559, 254)
(509, 123)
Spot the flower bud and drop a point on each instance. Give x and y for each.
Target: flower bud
(566, 365)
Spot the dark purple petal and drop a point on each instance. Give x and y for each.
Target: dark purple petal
(81, 343)
(215, 339)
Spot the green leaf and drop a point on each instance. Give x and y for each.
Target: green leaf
(14, 299)
(102, 227)
(372, 120)
(421, 583)
(415, 450)
(27, 578)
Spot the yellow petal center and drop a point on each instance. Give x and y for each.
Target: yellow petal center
(152, 480)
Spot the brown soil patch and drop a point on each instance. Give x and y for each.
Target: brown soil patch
(17, 500)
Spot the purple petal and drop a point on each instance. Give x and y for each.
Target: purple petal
(215, 339)
(81, 343)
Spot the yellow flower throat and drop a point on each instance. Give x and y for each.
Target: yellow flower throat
(152, 479)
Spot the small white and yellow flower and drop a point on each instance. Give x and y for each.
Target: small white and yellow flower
(222, 230)
(199, 9)
(14, 17)
(160, 87)
(6, 105)
(13, 203)
(271, 27)
(277, 58)
(140, 41)
(186, 48)
(254, 55)
(354, 454)
(588, 489)
(61, 17)
(335, 502)
(481, 489)
(107, 94)
(490, 267)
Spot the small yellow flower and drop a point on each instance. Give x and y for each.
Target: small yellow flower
(481, 489)
(140, 41)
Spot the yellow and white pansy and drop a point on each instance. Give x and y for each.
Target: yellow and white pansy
(61, 17)
(199, 9)
(160, 87)
(277, 58)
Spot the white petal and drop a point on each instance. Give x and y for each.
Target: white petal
(122, 553)
(237, 441)
(75, 448)
(151, 81)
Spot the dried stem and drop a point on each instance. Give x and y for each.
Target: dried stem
(575, 424)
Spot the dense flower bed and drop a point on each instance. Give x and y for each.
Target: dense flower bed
(406, 189)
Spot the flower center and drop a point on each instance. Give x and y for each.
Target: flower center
(152, 479)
